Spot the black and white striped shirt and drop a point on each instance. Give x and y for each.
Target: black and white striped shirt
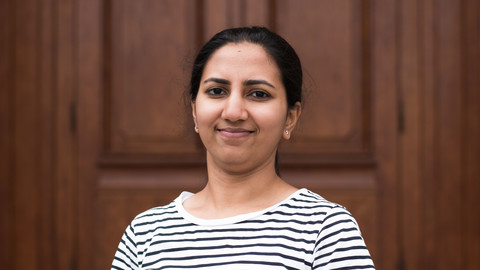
(304, 231)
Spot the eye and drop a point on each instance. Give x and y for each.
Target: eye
(258, 94)
(215, 91)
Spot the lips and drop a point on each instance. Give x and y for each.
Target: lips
(234, 133)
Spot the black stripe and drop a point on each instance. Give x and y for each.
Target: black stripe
(280, 221)
(131, 252)
(294, 213)
(229, 255)
(219, 247)
(239, 230)
(349, 258)
(236, 238)
(346, 221)
(323, 239)
(343, 239)
(207, 265)
(163, 227)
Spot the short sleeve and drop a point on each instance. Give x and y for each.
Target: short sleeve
(339, 244)
(126, 256)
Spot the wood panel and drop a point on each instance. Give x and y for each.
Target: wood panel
(148, 43)
(330, 43)
(440, 226)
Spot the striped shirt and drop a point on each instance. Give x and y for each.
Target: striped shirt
(304, 231)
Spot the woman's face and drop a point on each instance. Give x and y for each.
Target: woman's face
(241, 108)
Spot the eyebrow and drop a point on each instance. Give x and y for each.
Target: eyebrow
(247, 82)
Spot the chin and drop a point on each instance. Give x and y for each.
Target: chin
(234, 162)
(230, 162)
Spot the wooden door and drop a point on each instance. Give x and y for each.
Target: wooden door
(143, 151)
(93, 128)
(137, 142)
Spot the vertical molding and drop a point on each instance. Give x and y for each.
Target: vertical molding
(447, 113)
(90, 20)
(366, 72)
(409, 142)
(384, 89)
(471, 128)
(66, 197)
(26, 139)
(26, 135)
(428, 120)
(272, 14)
(106, 28)
(197, 16)
(449, 92)
(46, 145)
(6, 133)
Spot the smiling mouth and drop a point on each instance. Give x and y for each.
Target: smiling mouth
(234, 133)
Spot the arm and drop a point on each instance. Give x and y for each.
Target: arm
(126, 255)
(340, 244)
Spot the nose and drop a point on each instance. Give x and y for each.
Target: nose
(234, 108)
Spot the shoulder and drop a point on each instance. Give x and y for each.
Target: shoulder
(330, 211)
(154, 217)
(307, 200)
(309, 207)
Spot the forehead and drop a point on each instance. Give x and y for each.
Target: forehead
(245, 57)
(241, 48)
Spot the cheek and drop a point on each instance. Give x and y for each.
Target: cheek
(206, 113)
(271, 119)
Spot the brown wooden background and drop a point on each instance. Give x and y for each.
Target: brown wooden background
(93, 128)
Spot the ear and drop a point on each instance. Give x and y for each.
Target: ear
(194, 114)
(293, 115)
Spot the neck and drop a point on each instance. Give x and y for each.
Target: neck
(227, 188)
(230, 193)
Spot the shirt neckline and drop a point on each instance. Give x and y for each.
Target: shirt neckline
(225, 221)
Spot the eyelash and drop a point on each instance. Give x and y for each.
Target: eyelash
(210, 91)
(220, 92)
(263, 93)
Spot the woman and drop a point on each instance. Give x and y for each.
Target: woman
(245, 94)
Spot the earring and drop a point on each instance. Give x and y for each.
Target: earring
(196, 128)
(286, 132)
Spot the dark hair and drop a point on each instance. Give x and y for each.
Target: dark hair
(278, 48)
